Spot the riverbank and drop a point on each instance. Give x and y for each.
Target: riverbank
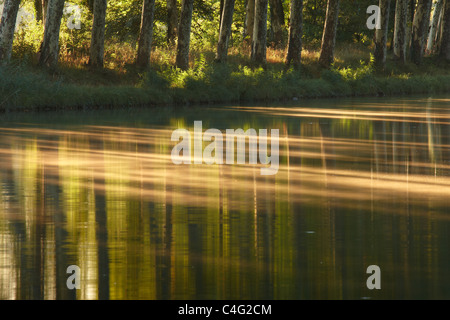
(26, 88)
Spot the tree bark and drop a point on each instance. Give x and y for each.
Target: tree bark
(50, 44)
(294, 52)
(44, 8)
(329, 34)
(401, 9)
(437, 40)
(434, 26)
(277, 21)
(409, 23)
(381, 35)
(225, 30)
(184, 34)
(444, 47)
(172, 21)
(420, 30)
(249, 20)
(7, 28)
(98, 34)
(259, 44)
(38, 9)
(145, 34)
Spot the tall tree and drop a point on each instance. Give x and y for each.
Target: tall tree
(381, 35)
(249, 20)
(41, 7)
(434, 25)
(277, 21)
(145, 34)
(225, 30)
(39, 10)
(184, 34)
(49, 50)
(7, 28)
(329, 34)
(259, 44)
(294, 51)
(401, 9)
(420, 30)
(172, 21)
(409, 22)
(444, 46)
(98, 34)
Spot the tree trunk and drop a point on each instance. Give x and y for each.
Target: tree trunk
(98, 34)
(225, 30)
(184, 34)
(294, 52)
(381, 35)
(437, 39)
(409, 23)
(44, 8)
(329, 34)
(444, 47)
(145, 34)
(277, 21)
(7, 28)
(172, 21)
(50, 44)
(401, 9)
(420, 30)
(249, 20)
(434, 26)
(222, 3)
(38, 8)
(259, 44)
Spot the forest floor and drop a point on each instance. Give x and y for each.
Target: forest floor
(120, 84)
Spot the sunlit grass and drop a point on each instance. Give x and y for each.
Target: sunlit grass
(121, 83)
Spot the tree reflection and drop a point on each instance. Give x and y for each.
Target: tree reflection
(354, 188)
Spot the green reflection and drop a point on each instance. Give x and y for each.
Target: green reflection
(359, 183)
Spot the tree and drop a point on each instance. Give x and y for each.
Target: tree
(184, 34)
(444, 46)
(225, 30)
(409, 22)
(329, 34)
(249, 20)
(381, 35)
(259, 44)
(38, 7)
(434, 26)
(98, 34)
(277, 21)
(50, 44)
(295, 34)
(420, 30)
(401, 9)
(7, 28)
(172, 21)
(145, 34)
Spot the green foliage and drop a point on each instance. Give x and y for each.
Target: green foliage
(364, 70)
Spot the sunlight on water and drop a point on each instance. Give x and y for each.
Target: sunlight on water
(359, 182)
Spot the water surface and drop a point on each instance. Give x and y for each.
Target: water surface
(360, 182)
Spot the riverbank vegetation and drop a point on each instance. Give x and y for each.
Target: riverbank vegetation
(128, 53)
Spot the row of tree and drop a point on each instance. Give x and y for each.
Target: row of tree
(415, 32)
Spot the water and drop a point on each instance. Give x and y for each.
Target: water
(360, 182)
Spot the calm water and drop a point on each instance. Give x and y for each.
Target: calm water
(360, 182)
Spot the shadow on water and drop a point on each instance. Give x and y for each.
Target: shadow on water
(359, 183)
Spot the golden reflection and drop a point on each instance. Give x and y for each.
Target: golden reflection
(111, 201)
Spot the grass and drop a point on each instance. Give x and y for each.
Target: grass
(24, 86)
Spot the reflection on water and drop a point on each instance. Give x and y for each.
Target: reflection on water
(359, 183)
